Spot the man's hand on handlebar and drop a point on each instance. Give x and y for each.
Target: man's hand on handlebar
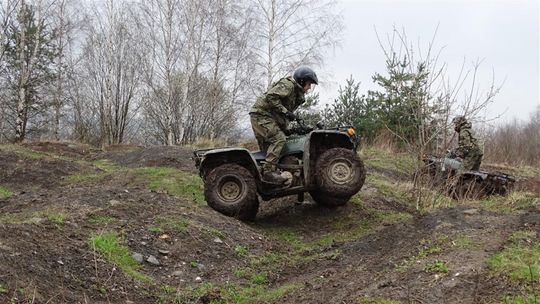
(290, 116)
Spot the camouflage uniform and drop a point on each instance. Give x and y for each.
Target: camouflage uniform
(268, 118)
(468, 148)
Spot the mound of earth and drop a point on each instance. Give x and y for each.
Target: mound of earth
(375, 248)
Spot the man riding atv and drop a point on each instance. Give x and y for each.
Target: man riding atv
(271, 114)
(468, 149)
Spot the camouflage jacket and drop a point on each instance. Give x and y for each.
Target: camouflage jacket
(467, 143)
(283, 96)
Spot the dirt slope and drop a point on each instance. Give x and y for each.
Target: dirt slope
(58, 196)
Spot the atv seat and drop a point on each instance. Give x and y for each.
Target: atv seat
(259, 155)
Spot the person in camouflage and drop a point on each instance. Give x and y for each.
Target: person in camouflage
(468, 148)
(272, 112)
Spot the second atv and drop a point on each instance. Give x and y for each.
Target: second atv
(323, 162)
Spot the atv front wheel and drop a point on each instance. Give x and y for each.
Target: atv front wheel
(231, 190)
(327, 200)
(339, 173)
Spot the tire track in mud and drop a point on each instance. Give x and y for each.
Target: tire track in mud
(369, 267)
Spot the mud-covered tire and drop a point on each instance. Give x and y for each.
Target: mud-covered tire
(339, 173)
(231, 190)
(328, 200)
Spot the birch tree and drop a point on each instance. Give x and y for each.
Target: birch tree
(29, 56)
(7, 11)
(291, 33)
(112, 65)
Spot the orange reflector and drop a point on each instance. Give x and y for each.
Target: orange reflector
(351, 132)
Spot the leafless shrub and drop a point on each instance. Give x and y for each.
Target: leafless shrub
(515, 143)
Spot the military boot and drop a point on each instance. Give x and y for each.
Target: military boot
(273, 177)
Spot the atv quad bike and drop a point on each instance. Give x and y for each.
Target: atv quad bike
(322, 162)
(468, 184)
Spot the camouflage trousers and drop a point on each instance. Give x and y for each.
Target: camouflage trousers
(471, 161)
(269, 137)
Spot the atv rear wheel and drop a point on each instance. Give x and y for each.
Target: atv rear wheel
(231, 190)
(339, 173)
(328, 200)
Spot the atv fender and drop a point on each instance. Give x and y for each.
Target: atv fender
(318, 142)
(217, 157)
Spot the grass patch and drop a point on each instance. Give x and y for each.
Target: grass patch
(175, 182)
(34, 217)
(530, 299)
(5, 193)
(170, 224)
(376, 301)
(101, 219)
(519, 262)
(241, 251)
(228, 293)
(112, 248)
(259, 278)
(463, 241)
(23, 152)
(507, 204)
(390, 189)
(105, 167)
(436, 267)
(57, 218)
(382, 160)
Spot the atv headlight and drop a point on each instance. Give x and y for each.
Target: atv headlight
(351, 132)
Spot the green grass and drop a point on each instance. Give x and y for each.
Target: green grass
(389, 188)
(518, 237)
(383, 160)
(57, 218)
(376, 301)
(23, 152)
(105, 167)
(5, 193)
(111, 247)
(530, 299)
(507, 204)
(241, 251)
(175, 182)
(463, 241)
(436, 267)
(259, 278)
(228, 293)
(34, 217)
(171, 224)
(521, 260)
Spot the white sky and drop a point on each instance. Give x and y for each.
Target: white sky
(502, 33)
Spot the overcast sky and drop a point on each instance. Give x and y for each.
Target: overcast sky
(504, 34)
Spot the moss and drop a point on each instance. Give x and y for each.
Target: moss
(518, 262)
(111, 247)
(5, 193)
(23, 152)
(175, 182)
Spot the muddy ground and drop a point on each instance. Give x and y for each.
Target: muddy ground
(57, 196)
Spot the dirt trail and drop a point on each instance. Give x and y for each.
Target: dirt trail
(375, 248)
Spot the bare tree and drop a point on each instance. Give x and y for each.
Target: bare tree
(7, 11)
(112, 64)
(434, 98)
(293, 32)
(31, 52)
(64, 28)
(159, 22)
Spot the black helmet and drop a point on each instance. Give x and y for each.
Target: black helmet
(303, 74)
(459, 121)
